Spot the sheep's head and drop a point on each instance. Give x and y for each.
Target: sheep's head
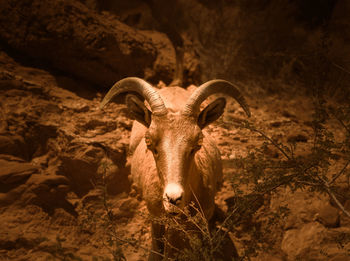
(173, 141)
(174, 138)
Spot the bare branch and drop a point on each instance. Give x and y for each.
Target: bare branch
(252, 128)
(331, 194)
(340, 67)
(340, 173)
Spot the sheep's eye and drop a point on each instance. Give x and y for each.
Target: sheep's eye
(195, 149)
(200, 142)
(148, 141)
(155, 151)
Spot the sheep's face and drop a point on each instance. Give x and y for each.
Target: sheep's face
(174, 140)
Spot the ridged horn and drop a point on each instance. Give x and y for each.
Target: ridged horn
(140, 86)
(211, 87)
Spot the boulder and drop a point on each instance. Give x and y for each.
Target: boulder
(21, 183)
(344, 219)
(48, 192)
(304, 241)
(14, 174)
(304, 207)
(328, 216)
(87, 166)
(74, 39)
(13, 145)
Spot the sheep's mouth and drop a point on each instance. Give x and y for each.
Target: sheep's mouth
(171, 210)
(173, 213)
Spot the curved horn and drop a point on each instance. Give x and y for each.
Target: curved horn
(134, 84)
(211, 87)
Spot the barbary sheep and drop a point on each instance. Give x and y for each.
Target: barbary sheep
(174, 161)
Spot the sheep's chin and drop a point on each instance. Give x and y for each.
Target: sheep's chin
(171, 209)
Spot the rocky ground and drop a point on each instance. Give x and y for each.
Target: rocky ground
(64, 187)
(58, 150)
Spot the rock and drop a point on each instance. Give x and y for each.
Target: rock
(13, 177)
(60, 133)
(69, 36)
(340, 257)
(48, 192)
(129, 204)
(22, 183)
(297, 138)
(11, 197)
(267, 257)
(94, 127)
(328, 216)
(87, 165)
(63, 218)
(13, 145)
(93, 196)
(126, 208)
(37, 136)
(303, 206)
(115, 177)
(288, 114)
(315, 242)
(14, 172)
(306, 240)
(3, 121)
(272, 151)
(344, 219)
(79, 163)
(275, 124)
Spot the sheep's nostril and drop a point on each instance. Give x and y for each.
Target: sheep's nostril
(173, 194)
(174, 201)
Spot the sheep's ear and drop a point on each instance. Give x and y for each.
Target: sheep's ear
(212, 112)
(138, 109)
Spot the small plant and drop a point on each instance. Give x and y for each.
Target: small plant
(314, 171)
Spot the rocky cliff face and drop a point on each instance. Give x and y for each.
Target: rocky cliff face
(265, 41)
(64, 187)
(60, 133)
(91, 46)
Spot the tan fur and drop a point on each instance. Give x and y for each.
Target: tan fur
(203, 174)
